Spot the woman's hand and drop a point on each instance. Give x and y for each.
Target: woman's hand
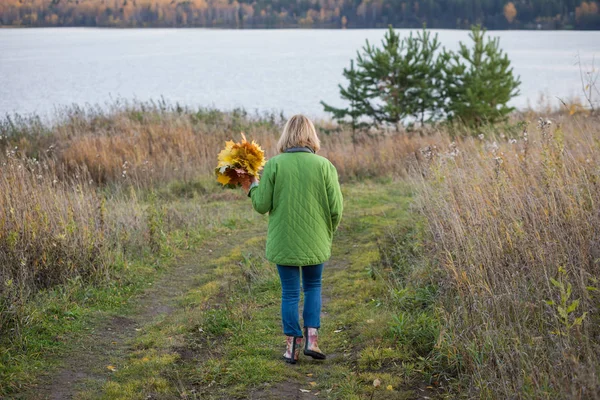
(253, 182)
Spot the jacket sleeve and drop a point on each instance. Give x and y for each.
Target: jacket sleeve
(334, 195)
(262, 195)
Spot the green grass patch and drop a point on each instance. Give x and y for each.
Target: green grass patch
(58, 318)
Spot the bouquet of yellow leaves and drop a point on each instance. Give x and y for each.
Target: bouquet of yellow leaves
(239, 162)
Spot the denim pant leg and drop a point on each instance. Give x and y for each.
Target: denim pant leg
(290, 297)
(311, 283)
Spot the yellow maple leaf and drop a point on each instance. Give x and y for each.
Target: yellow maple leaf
(223, 179)
(227, 155)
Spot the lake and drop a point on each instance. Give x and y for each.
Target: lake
(264, 70)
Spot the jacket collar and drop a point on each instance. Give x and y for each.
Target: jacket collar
(299, 150)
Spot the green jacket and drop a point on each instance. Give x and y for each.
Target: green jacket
(302, 195)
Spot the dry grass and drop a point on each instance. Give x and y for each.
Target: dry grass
(151, 144)
(91, 187)
(515, 223)
(508, 214)
(50, 231)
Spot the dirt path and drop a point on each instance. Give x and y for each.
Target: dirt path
(88, 365)
(354, 320)
(110, 339)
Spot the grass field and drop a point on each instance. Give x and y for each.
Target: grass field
(466, 264)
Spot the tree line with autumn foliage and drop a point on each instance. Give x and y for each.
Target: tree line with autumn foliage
(448, 14)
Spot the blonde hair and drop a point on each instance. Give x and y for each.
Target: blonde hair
(299, 131)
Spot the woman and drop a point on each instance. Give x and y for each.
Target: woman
(302, 195)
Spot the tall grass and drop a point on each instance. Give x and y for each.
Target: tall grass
(149, 144)
(50, 230)
(515, 227)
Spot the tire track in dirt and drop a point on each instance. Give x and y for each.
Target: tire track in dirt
(84, 367)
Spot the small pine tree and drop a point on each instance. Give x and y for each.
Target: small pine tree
(359, 98)
(479, 81)
(426, 96)
(391, 83)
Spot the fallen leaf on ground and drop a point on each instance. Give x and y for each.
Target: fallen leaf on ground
(305, 391)
(111, 368)
(309, 375)
(389, 387)
(376, 383)
(313, 384)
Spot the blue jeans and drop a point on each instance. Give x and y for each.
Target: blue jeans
(290, 297)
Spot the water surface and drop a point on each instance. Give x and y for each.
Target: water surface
(264, 70)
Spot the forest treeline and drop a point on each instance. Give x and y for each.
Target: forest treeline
(449, 14)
